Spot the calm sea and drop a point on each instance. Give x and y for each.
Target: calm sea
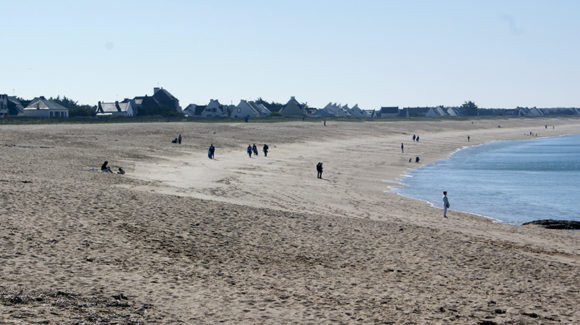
(511, 181)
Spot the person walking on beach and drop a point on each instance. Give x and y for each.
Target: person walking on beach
(417, 138)
(319, 170)
(468, 138)
(179, 139)
(255, 150)
(249, 150)
(265, 149)
(211, 151)
(445, 204)
(402, 148)
(414, 137)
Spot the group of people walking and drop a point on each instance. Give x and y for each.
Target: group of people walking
(253, 149)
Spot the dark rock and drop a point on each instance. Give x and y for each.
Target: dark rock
(487, 322)
(120, 296)
(532, 315)
(555, 224)
(499, 311)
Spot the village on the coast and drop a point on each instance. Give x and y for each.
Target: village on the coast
(162, 102)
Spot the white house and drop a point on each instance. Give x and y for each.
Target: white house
(334, 110)
(436, 112)
(42, 107)
(214, 109)
(355, 111)
(293, 108)
(126, 108)
(249, 109)
(264, 111)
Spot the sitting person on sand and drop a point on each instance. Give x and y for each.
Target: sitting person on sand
(121, 171)
(105, 168)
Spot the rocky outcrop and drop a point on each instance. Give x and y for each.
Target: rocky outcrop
(555, 224)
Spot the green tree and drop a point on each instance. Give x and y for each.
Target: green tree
(74, 108)
(469, 108)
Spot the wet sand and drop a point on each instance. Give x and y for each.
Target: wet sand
(185, 239)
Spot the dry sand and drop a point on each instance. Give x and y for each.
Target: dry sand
(184, 239)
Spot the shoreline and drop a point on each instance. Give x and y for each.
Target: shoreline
(399, 182)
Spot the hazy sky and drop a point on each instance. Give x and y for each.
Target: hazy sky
(400, 53)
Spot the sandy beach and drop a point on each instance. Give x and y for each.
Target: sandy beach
(182, 239)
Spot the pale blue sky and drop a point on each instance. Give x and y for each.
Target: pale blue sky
(403, 53)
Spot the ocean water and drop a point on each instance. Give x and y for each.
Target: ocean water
(511, 181)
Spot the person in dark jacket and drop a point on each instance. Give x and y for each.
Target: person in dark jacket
(211, 151)
(255, 150)
(105, 168)
(249, 151)
(265, 149)
(319, 170)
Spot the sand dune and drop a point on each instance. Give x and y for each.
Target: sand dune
(185, 239)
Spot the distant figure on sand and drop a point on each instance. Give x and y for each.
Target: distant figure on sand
(468, 138)
(414, 137)
(121, 171)
(417, 159)
(417, 138)
(255, 150)
(179, 139)
(402, 148)
(324, 122)
(249, 150)
(211, 151)
(319, 170)
(265, 149)
(105, 168)
(445, 204)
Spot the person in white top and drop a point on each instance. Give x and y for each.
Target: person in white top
(445, 204)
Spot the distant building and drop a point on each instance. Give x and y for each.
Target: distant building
(389, 112)
(193, 110)
(437, 112)
(529, 112)
(161, 99)
(369, 113)
(9, 106)
(355, 111)
(214, 109)
(126, 108)
(44, 108)
(293, 108)
(249, 109)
